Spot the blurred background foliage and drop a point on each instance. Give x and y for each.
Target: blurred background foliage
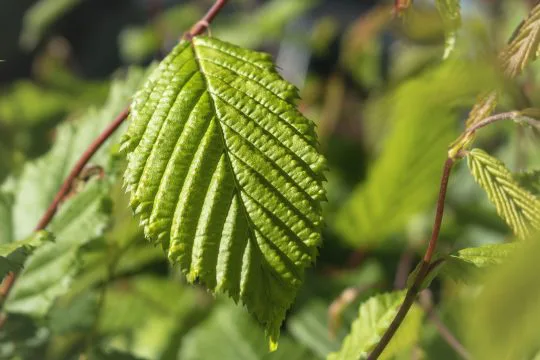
(386, 106)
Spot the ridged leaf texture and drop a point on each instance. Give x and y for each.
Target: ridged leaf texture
(225, 174)
(518, 207)
(530, 180)
(524, 46)
(374, 317)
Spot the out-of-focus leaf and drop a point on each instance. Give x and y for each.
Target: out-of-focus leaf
(139, 317)
(40, 16)
(519, 208)
(375, 315)
(267, 23)
(13, 254)
(465, 264)
(482, 109)
(6, 223)
(77, 315)
(502, 321)
(33, 192)
(226, 175)
(404, 180)
(310, 327)
(232, 334)
(48, 273)
(139, 43)
(529, 180)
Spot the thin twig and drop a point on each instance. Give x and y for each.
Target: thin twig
(204, 23)
(403, 269)
(511, 115)
(410, 296)
(427, 304)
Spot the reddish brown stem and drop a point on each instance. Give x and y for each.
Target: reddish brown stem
(412, 292)
(203, 24)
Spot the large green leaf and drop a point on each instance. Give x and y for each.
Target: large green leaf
(374, 317)
(404, 179)
(225, 174)
(13, 255)
(519, 208)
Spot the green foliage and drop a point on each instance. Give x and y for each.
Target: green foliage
(216, 139)
(374, 317)
(519, 208)
(467, 264)
(13, 255)
(502, 321)
(229, 332)
(79, 221)
(524, 45)
(482, 109)
(404, 179)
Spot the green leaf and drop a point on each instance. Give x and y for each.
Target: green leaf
(142, 315)
(466, 263)
(502, 321)
(482, 109)
(530, 180)
(33, 192)
(524, 46)
(374, 317)
(48, 273)
(229, 332)
(404, 179)
(519, 208)
(13, 255)
(225, 174)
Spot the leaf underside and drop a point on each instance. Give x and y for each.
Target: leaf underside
(524, 46)
(519, 208)
(225, 174)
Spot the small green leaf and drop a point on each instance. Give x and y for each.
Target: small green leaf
(482, 109)
(13, 255)
(519, 208)
(375, 315)
(226, 175)
(524, 46)
(465, 264)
